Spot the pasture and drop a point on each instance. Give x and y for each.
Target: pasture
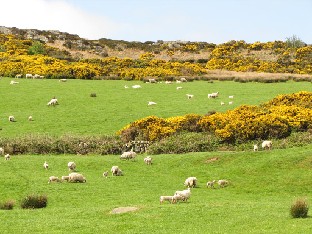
(262, 187)
(115, 106)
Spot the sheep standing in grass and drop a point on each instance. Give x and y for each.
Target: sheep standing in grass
(30, 118)
(65, 178)
(222, 183)
(255, 147)
(53, 102)
(71, 166)
(148, 160)
(166, 198)
(46, 165)
(210, 184)
(76, 177)
(1, 151)
(184, 193)
(7, 157)
(11, 118)
(128, 155)
(53, 179)
(189, 96)
(190, 182)
(150, 103)
(267, 145)
(116, 171)
(177, 197)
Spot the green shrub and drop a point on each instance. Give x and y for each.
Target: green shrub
(7, 205)
(34, 201)
(299, 209)
(93, 95)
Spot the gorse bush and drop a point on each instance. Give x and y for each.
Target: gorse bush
(299, 209)
(34, 201)
(7, 205)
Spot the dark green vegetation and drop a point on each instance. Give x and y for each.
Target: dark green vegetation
(262, 188)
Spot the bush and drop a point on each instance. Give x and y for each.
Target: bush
(34, 201)
(93, 95)
(299, 209)
(7, 205)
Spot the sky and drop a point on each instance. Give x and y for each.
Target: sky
(213, 21)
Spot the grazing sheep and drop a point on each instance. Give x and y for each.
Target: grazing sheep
(71, 166)
(128, 155)
(105, 174)
(151, 103)
(18, 76)
(126, 86)
(222, 183)
(266, 145)
(152, 81)
(13, 82)
(177, 197)
(189, 96)
(11, 118)
(53, 179)
(62, 80)
(231, 97)
(36, 76)
(7, 157)
(116, 171)
(183, 79)
(179, 87)
(30, 118)
(222, 103)
(148, 160)
(53, 102)
(255, 147)
(46, 165)
(136, 86)
(166, 198)
(65, 178)
(210, 184)
(178, 82)
(76, 177)
(213, 95)
(184, 193)
(1, 151)
(230, 103)
(29, 76)
(190, 182)
(168, 82)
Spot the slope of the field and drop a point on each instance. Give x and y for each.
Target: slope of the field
(116, 106)
(262, 187)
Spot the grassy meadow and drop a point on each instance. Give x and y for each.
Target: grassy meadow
(262, 187)
(114, 107)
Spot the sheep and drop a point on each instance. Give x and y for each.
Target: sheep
(213, 95)
(166, 198)
(65, 178)
(150, 103)
(230, 103)
(190, 182)
(168, 82)
(255, 147)
(136, 86)
(126, 86)
(231, 97)
(46, 165)
(105, 174)
(266, 145)
(18, 76)
(28, 76)
(76, 177)
(178, 81)
(71, 166)
(148, 160)
(222, 183)
(183, 79)
(179, 87)
(53, 102)
(128, 155)
(184, 193)
(152, 80)
(222, 103)
(53, 179)
(11, 118)
(30, 118)
(210, 184)
(7, 157)
(62, 80)
(1, 151)
(116, 171)
(13, 82)
(189, 96)
(177, 197)
(36, 76)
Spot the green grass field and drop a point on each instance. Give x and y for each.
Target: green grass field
(262, 187)
(114, 107)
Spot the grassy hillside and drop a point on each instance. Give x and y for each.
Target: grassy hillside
(114, 107)
(262, 187)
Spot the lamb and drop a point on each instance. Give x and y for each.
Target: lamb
(189, 96)
(11, 118)
(71, 166)
(166, 198)
(148, 160)
(210, 184)
(76, 177)
(179, 87)
(151, 103)
(116, 171)
(190, 182)
(222, 103)
(255, 147)
(105, 174)
(136, 86)
(1, 151)
(65, 178)
(222, 183)
(230, 103)
(52, 102)
(266, 145)
(53, 179)
(7, 157)
(184, 193)
(231, 97)
(183, 79)
(46, 165)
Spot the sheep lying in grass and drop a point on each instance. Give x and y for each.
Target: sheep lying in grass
(71, 166)
(7, 157)
(136, 86)
(150, 103)
(210, 184)
(184, 193)
(53, 179)
(222, 183)
(148, 160)
(13, 82)
(46, 165)
(62, 80)
(65, 178)
(116, 171)
(190, 182)
(128, 155)
(105, 174)
(76, 177)
(266, 145)
(11, 118)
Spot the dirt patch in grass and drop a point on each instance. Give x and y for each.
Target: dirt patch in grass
(120, 210)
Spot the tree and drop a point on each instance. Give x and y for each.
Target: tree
(294, 42)
(36, 48)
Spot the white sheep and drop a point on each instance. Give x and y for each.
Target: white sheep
(53, 102)
(222, 183)
(116, 171)
(184, 193)
(222, 103)
(18, 76)
(36, 76)
(136, 86)
(150, 103)
(183, 79)
(148, 160)
(30, 118)
(255, 147)
(53, 179)
(231, 97)
(230, 103)
(152, 80)
(168, 82)
(179, 87)
(105, 174)
(62, 80)
(1, 151)
(65, 178)
(213, 95)
(11, 118)
(177, 197)
(71, 166)
(210, 184)
(166, 198)
(189, 96)
(7, 157)
(46, 165)
(29, 76)
(266, 145)
(128, 155)
(13, 82)
(190, 182)
(76, 177)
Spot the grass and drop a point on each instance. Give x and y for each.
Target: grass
(114, 106)
(258, 199)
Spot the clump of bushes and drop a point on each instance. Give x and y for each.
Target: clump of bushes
(299, 209)
(7, 205)
(34, 201)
